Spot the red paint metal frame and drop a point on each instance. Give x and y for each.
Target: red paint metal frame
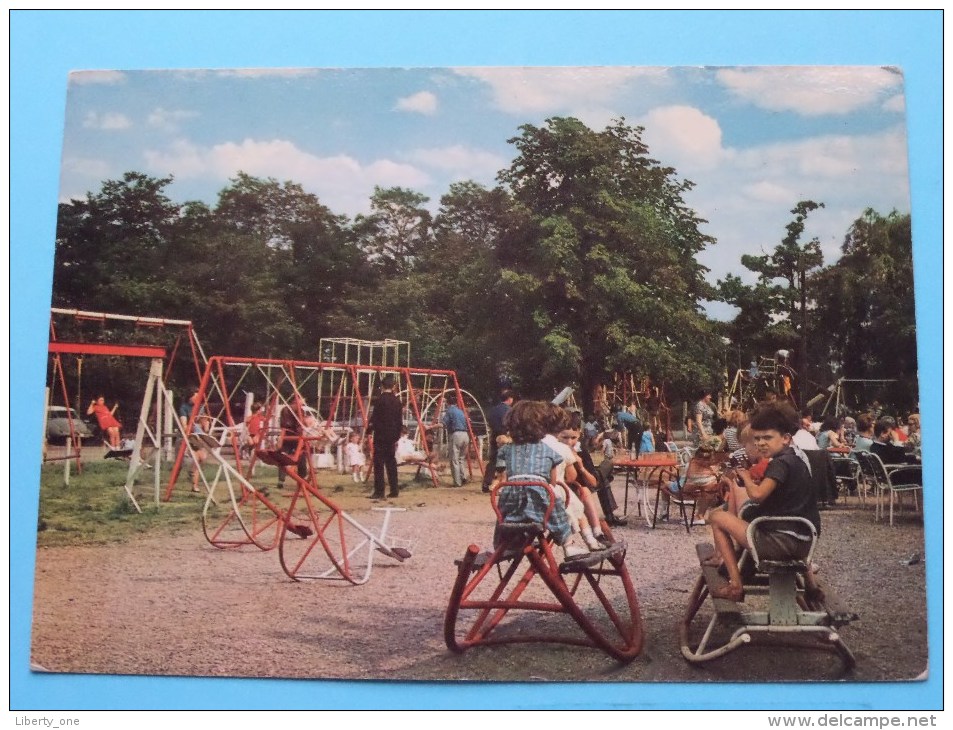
(214, 380)
(471, 621)
(86, 348)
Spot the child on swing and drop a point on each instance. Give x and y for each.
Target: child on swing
(785, 491)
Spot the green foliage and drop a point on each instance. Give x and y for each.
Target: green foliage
(582, 262)
(605, 261)
(865, 306)
(397, 232)
(775, 311)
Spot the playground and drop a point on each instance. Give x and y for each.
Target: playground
(231, 538)
(164, 601)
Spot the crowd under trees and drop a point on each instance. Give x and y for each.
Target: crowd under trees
(582, 262)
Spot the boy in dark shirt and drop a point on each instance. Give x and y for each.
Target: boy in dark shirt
(785, 491)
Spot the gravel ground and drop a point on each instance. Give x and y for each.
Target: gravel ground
(175, 605)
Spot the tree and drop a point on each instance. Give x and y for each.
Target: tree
(865, 306)
(602, 274)
(114, 245)
(397, 231)
(778, 305)
(299, 246)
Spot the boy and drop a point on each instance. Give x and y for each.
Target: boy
(785, 491)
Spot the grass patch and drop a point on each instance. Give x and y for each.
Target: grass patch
(95, 509)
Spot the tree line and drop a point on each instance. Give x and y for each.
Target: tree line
(582, 261)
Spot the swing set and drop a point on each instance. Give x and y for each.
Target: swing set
(90, 344)
(341, 395)
(315, 538)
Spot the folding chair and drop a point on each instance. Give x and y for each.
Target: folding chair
(894, 480)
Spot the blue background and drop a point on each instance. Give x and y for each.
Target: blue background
(46, 45)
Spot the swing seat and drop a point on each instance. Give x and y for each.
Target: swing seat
(112, 453)
(777, 607)
(496, 597)
(276, 458)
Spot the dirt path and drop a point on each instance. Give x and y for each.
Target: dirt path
(177, 606)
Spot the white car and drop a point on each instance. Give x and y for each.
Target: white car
(57, 424)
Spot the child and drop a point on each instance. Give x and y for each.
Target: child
(646, 441)
(406, 449)
(528, 459)
(584, 483)
(355, 455)
(255, 426)
(785, 491)
(582, 516)
(746, 456)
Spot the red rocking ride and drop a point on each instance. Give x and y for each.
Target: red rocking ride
(594, 591)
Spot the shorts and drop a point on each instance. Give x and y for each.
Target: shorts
(775, 545)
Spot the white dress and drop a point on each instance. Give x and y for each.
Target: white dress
(355, 456)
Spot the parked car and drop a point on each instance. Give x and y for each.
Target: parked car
(57, 424)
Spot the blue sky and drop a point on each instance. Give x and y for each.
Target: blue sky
(755, 140)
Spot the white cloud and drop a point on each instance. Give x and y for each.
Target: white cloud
(769, 191)
(811, 91)
(91, 167)
(748, 197)
(460, 160)
(169, 119)
(341, 182)
(108, 121)
(544, 90)
(423, 102)
(897, 103)
(680, 134)
(96, 77)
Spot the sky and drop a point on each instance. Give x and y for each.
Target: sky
(755, 140)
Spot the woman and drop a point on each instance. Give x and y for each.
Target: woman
(703, 414)
(914, 436)
(106, 419)
(831, 434)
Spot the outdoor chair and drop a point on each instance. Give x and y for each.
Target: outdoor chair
(667, 496)
(892, 480)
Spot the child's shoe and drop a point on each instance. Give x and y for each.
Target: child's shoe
(572, 550)
(590, 539)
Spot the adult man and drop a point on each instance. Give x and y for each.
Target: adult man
(458, 437)
(494, 419)
(385, 423)
(804, 439)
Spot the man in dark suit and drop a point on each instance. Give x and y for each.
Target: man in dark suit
(497, 427)
(385, 424)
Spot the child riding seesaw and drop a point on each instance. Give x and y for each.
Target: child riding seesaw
(527, 458)
(785, 491)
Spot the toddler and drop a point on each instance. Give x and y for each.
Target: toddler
(355, 455)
